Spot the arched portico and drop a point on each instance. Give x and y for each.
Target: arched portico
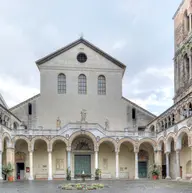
(108, 158)
(126, 148)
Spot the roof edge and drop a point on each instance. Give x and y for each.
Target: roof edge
(178, 9)
(18, 105)
(140, 107)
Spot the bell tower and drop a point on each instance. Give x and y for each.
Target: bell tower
(183, 50)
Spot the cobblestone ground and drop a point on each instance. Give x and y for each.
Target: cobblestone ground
(140, 186)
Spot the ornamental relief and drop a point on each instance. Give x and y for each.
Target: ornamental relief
(83, 144)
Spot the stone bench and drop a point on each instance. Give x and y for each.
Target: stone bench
(188, 176)
(106, 175)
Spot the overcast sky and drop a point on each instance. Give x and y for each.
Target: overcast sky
(138, 33)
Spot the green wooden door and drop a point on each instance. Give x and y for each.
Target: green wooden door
(142, 169)
(82, 163)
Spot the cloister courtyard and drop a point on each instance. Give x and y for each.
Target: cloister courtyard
(121, 186)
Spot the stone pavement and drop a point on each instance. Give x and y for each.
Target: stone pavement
(121, 186)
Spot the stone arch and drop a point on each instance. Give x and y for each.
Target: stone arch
(39, 138)
(15, 139)
(168, 141)
(148, 140)
(160, 141)
(80, 133)
(111, 140)
(58, 138)
(6, 137)
(131, 141)
(179, 136)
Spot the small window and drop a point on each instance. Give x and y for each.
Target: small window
(61, 84)
(82, 84)
(133, 113)
(101, 85)
(30, 109)
(81, 57)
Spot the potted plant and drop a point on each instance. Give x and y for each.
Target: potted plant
(97, 174)
(68, 174)
(8, 170)
(155, 173)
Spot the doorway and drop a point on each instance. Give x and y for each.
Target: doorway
(82, 164)
(142, 169)
(20, 171)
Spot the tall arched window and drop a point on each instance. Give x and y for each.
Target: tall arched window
(186, 22)
(29, 109)
(82, 84)
(101, 85)
(61, 84)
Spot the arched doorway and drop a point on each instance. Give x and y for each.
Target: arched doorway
(82, 150)
(21, 160)
(145, 159)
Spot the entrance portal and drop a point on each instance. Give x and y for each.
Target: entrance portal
(142, 169)
(20, 171)
(82, 163)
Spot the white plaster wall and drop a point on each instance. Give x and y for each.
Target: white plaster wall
(172, 161)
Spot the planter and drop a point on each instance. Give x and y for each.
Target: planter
(155, 177)
(10, 178)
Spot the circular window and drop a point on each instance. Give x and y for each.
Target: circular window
(81, 57)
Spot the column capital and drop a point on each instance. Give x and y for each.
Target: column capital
(31, 151)
(178, 150)
(68, 148)
(49, 150)
(167, 152)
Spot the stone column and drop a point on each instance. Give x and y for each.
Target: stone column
(117, 165)
(31, 165)
(191, 156)
(190, 22)
(136, 166)
(178, 176)
(190, 66)
(96, 160)
(69, 160)
(50, 176)
(1, 165)
(167, 166)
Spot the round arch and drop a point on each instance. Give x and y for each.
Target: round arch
(131, 141)
(180, 135)
(80, 133)
(160, 142)
(58, 138)
(111, 140)
(168, 141)
(40, 138)
(147, 140)
(6, 137)
(15, 139)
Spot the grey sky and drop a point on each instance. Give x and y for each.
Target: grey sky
(138, 33)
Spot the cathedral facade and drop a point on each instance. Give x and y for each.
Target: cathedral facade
(80, 122)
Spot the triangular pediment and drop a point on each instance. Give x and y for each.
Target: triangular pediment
(77, 43)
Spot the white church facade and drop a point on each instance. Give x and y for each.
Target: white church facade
(81, 122)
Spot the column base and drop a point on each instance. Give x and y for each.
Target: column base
(30, 178)
(178, 178)
(168, 178)
(1, 179)
(50, 178)
(136, 178)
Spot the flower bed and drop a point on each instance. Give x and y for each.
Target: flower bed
(81, 186)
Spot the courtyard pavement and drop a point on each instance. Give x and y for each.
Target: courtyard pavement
(121, 186)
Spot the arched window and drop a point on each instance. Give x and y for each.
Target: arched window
(101, 85)
(186, 60)
(29, 109)
(82, 84)
(186, 22)
(61, 84)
